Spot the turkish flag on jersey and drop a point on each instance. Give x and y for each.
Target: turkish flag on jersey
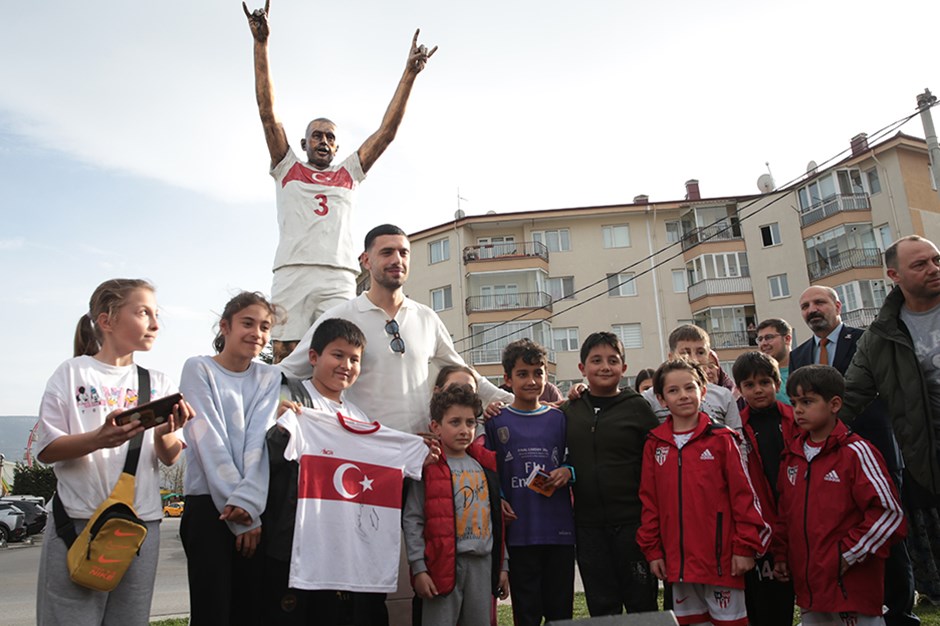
(330, 478)
(328, 178)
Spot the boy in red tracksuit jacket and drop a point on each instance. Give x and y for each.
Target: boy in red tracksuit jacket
(452, 520)
(767, 427)
(838, 513)
(701, 526)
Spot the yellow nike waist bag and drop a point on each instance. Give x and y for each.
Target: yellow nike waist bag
(99, 556)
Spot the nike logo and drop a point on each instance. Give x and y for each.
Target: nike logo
(101, 559)
(118, 533)
(680, 601)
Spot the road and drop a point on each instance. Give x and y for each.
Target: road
(19, 566)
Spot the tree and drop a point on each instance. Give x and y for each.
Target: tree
(171, 476)
(38, 480)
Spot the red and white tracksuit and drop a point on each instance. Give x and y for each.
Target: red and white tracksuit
(699, 507)
(842, 504)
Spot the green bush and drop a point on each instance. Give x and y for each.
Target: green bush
(38, 480)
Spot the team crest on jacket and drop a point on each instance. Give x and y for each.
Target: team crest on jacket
(723, 598)
(503, 433)
(791, 474)
(661, 453)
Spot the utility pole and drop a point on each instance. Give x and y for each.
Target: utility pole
(924, 102)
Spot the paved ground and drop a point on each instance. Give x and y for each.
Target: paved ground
(19, 565)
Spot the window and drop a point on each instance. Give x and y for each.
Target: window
(616, 236)
(621, 284)
(770, 234)
(673, 234)
(560, 288)
(555, 240)
(679, 281)
(884, 237)
(861, 294)
(874, 183)
(629, 334)
(722, 265)
(778, 286)
(490, 339)
(492, 247)
(439, 250)
(441, 299)
(565, 339)
(496, 297)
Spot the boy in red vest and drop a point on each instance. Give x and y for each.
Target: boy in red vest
(453, 522)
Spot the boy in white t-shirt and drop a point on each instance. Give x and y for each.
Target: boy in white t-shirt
(691, 342)
(301, 442)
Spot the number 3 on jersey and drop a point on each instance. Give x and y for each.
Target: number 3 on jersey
(324, 209)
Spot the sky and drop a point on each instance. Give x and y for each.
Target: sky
(130, 143)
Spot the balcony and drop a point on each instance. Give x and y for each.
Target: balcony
(860, 318)
(507, 250)
(846, 260)
(721, 231)
(492, 354)
(509, 302)
(717, 286)
(730, 339)
(834, 205)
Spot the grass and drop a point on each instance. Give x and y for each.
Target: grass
(929, 616)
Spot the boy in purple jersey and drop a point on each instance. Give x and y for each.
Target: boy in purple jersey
(529, 440)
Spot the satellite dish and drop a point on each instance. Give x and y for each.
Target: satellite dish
(765, 183)
(459, 214)
(491, 212)
(811, 167)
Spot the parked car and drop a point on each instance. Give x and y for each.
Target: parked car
(173, 509)
(35, 515)
(12, 522)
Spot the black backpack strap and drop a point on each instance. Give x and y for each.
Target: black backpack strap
(64, 527)
(298, 393)
(143, 397)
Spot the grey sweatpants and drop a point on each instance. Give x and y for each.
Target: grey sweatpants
(471, 600)
(60, 601)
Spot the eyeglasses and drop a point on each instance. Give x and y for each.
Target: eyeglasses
(397, 344)
(762, 338)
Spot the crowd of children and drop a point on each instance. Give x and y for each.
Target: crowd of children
(294, 494)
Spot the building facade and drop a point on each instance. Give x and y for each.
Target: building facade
(641, 269)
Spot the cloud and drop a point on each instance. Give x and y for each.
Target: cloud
(17, 243)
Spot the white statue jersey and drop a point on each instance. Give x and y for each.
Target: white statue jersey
(347, 534)
(314, 213)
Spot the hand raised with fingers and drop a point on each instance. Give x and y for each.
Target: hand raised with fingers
(258, 21)
(419, 54)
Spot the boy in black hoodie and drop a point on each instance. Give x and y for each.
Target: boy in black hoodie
(607, 428)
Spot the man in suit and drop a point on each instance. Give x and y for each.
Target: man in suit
(833, 343)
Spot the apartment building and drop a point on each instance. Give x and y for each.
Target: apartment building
(642, 268)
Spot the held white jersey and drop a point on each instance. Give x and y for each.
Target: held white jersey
(347, 533)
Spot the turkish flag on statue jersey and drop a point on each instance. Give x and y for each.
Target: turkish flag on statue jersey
(331, 478)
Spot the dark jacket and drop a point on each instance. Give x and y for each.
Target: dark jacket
(606, 451)
(885, 364)
(873, 423)
(755, 464)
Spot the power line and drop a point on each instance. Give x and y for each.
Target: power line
(783, 192)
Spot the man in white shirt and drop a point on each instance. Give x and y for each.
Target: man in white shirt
(403, 338)
(315, 265)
